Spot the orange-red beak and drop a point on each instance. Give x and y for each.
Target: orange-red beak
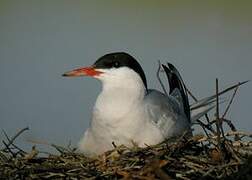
(84, 71)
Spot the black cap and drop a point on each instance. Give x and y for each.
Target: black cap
(120, 59)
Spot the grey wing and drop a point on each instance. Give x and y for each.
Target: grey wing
(166, 112)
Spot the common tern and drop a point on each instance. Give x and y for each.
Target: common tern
(127, 112)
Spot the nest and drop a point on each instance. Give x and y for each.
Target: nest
(216, 154)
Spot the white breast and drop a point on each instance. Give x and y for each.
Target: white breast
(119, 116)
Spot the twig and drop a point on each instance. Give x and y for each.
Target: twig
(230, 102)
(230, 133)
(233, 133)
(203, 127)
(232, 87)
(218, 124)
(14, 137)
(219, 167)
(230, 124)
(229, 147)
(206, 126)
(191, 94)
(159, 79)
(3, 157)
(218, 120)
(60, 149)
(8, 148)
(22, 152)
(114, 145)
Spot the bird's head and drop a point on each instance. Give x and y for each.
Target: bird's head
(118, 67)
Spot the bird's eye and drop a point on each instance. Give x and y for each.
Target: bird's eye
(116, 64)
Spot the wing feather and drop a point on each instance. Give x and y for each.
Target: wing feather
(166, 113)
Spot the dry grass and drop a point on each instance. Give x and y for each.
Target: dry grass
(216, 154)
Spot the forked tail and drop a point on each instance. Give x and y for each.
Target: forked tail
(178, 88)
(176, 82)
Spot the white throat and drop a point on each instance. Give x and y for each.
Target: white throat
(122, 91)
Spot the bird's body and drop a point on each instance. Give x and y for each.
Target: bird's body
(139, 121)
(126, 111)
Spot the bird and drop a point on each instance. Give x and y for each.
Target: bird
(127, 112)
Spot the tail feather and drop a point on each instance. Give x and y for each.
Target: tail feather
(200, 111)
(203, 102)
(201, 107)
(175, 82)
